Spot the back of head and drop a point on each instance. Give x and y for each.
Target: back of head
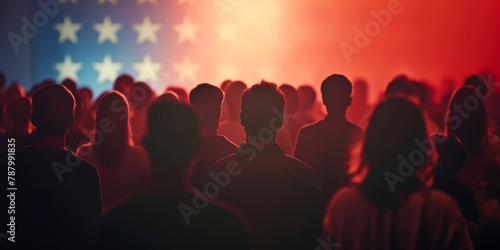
(18, 110)
(423, 92)
(261, 106)
(478, 83)
(291, 98)
(53, 110)
(336, 91)
(141, 96)
(307, 97)
(206, 100)
(168, 96)
(70, 85)
(112, 128)
(123, 84)
(398, 87)
(360, 91)
(181, 94)
(86, 95)
(172, 140)
(467, 119)
(225, 84)
(390, 138)
(14, 90)
(233, 99)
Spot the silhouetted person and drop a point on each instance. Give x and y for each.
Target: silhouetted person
(291, 107)
(392, 208)
(223, 86)
(307, 100)
(14, 90)
(326, 145)
(87, 119)
(277, 193)
(141, 97)
(168, 217)
(206, 101)
(124, 84)
(168, 96)
(125, 169)
(182, 94)
(76, 136)
(360, 107)
(232, 128)
(58, 201)
(466, 120)
(424, 95)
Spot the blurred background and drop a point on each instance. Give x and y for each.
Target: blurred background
(185, 42)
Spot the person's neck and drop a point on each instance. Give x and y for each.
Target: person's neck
(337, 113)
(55, 142)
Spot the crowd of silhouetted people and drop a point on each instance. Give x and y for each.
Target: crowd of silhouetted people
(260, 166)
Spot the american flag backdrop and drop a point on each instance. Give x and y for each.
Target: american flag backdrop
(186, 42)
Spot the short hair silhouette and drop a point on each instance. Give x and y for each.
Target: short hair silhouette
(123, 84)
(307, 97)
(336, 92)
(478, 83)
(70, 84)
(398, 87)
(259, 105)
(208, 99)
(394, 127)
(141, 95)
(53, 109)
(168, 96)
(470, 129)
(86, 94)
(182, 94)
(172, 138)
(233, 99)
(110, 145)
(291, 98)
(225, 84)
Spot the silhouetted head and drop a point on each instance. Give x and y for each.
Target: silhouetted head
(307, 97)
(395, 126)
(182, 94)
(225, 84)
(53, 110)
(141, 96)
(86, 95)
(398, 88)
(18, 111)
(112, 129)
(336, 92)
(262, 107)
(123, 84)
(467, 119)
(233, 99)
(423, 92)
(172, 139)
(14, 90)
(452, 154)
(360, 91)
(206, 102)
(168, 96)
(291, 98)
(70, 85)
(478, 83)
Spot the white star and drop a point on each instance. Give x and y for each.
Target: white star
(104, 1)
(108, 70)
(67, 30)
(187, 70)
(68, 69)
(147, 69)
(147, 30)
(266, 71)
(227, 71)
(179, 2)
(186, 30)
(107, 30)
(226, 32)
(146, 1)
